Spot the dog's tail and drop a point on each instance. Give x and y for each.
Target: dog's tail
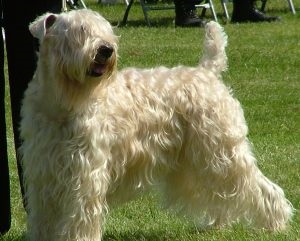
(214, 48)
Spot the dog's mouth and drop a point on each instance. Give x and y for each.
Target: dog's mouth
(99, 64)
(97, 69)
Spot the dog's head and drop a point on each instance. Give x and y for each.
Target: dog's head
(78, 49)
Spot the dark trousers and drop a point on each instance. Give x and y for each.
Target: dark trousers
(242, 8)
(21, 59)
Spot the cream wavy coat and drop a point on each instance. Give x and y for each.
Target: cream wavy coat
(95, 137)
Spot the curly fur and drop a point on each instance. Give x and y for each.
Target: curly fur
(91, 142)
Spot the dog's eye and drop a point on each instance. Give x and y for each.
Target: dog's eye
(82, 28)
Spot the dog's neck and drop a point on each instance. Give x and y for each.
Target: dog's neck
(59, 102)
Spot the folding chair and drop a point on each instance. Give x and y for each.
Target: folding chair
(208, 4)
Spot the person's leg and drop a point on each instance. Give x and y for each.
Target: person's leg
(21, 64)
(21, 56)
(244, 11)
(186, 13)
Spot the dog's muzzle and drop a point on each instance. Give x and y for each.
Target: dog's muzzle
(99, 64)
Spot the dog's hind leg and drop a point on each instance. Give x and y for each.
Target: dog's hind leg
(226, 187)
(193, 189)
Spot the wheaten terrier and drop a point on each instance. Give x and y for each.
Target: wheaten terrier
(95, 137)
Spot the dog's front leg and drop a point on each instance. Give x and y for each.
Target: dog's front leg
(84, 202)
(70, 202)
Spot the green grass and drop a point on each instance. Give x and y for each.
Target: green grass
(264, 73)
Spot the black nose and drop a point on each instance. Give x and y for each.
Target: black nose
(105, 51)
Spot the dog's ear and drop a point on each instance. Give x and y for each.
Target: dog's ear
(41, 25)
(50, 20)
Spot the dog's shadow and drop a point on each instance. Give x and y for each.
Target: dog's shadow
(138, 235)
(146, 235)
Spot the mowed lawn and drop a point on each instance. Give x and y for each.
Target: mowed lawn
(264, 74)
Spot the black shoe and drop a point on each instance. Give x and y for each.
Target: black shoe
(253, 16)
(189, 19)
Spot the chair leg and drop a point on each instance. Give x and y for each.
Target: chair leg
(223, 3)
(82, 4)
(292, 8)
(212, 9)
(127, 12)
(145, 11)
